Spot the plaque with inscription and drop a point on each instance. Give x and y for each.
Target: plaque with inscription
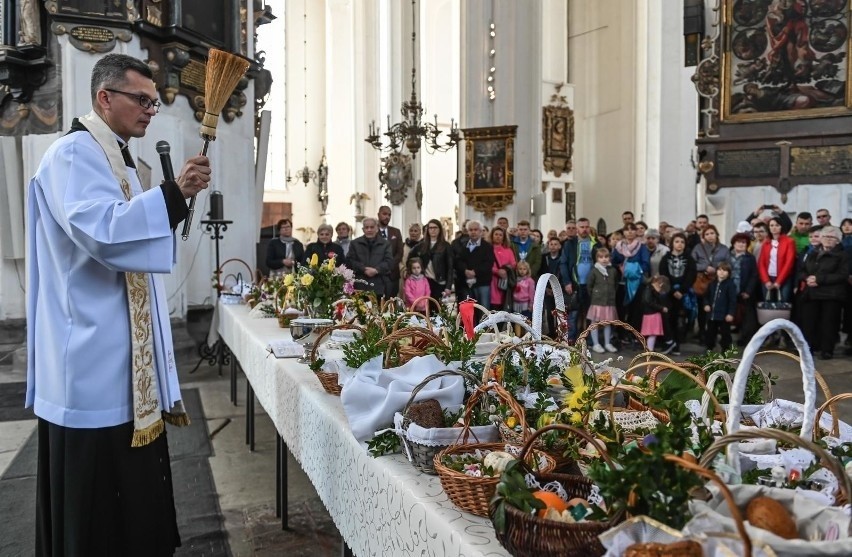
(821, 160)
(748, 163)
(192, 76)
(92, 34)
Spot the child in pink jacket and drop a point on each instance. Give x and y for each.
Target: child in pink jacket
(416, 285)
(522, 297)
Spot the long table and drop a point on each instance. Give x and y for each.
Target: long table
(381, 506)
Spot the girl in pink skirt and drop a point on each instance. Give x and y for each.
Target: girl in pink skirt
(602, 283)
(654, 305)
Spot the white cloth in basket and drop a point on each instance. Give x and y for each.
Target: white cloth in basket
(373, 395)
(790, 414)
(811, 518)
(445, 436)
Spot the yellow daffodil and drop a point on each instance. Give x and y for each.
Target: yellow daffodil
(307, 279)
(288, 280)
(573, 401)
(330, 264)
(314, 262)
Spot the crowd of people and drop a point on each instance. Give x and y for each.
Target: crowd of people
(667, 282)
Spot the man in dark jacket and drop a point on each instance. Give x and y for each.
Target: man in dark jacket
(473, 266)
(371, 259)
(394, 237)
(284, 252)
(575, 263)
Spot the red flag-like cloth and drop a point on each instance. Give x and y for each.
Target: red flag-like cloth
(466, 312)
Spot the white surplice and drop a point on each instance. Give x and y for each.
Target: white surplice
(82, 235)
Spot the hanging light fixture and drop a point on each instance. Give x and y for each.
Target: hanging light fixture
(306, 175)
(412, 132)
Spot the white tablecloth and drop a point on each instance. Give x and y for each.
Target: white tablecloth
(382, 506)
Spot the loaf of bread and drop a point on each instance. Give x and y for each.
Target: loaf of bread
(426, 413)
(769, 514)
(685, 548)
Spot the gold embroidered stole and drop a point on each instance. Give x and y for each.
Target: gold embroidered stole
(148, 411)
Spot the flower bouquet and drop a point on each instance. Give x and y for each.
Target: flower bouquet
(314, 288)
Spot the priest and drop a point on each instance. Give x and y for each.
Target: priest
(101, 373)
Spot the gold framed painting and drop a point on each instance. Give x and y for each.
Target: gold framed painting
(489, 167)
(558, 130)
(785, 59)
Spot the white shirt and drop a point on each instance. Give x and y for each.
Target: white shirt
(772, 271)
(82, 235)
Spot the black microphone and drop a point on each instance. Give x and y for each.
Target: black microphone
(163, 149)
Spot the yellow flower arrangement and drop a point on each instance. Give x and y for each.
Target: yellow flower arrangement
(307, 279)
(288, 280)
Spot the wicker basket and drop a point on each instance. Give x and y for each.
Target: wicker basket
(474, 494)
(528, 535)
(730, 441)
(466, 492)
(420, 455)
(510, 435)
(685, 548)
(327, 379)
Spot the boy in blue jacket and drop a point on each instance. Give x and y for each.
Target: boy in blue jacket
(720, 305)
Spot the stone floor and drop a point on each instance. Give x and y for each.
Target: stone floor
(245, 480)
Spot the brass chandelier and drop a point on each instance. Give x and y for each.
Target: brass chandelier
(412, 132)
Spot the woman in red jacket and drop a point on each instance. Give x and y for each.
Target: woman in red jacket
(777, 262)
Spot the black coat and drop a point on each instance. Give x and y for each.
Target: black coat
(375, 253)
(441, 256)
(748, 274)
(722, 299)
(480, 260)
(686, 268)
(322, 251)
(276, 253)
(831, 269)
(652, 301)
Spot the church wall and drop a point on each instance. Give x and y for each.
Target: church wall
(601, 65)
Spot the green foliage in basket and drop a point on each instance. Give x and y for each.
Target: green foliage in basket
(660, 489)
(677, 387)
(387, 442)
(466, 463)
(456, 346)
(317, 364)
(521, 370)
(512, 490)
(478, 416)
(366, 346)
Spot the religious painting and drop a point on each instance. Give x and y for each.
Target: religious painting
(558, 128)
(489, 167)
(785, 59)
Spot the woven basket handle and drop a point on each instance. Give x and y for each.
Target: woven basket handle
(437, 375)
(390, 305)
(499, 317)
(821, 383)
(327, 331)
(408, 314)
(737, 392)
(609, 392)
(502, 394)
(545, 280)
(830, 403)
(502, 350)
(576, 431)
(430, 301)
(663, 366)
(829, 461)
(726, 493)
(711, 382)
